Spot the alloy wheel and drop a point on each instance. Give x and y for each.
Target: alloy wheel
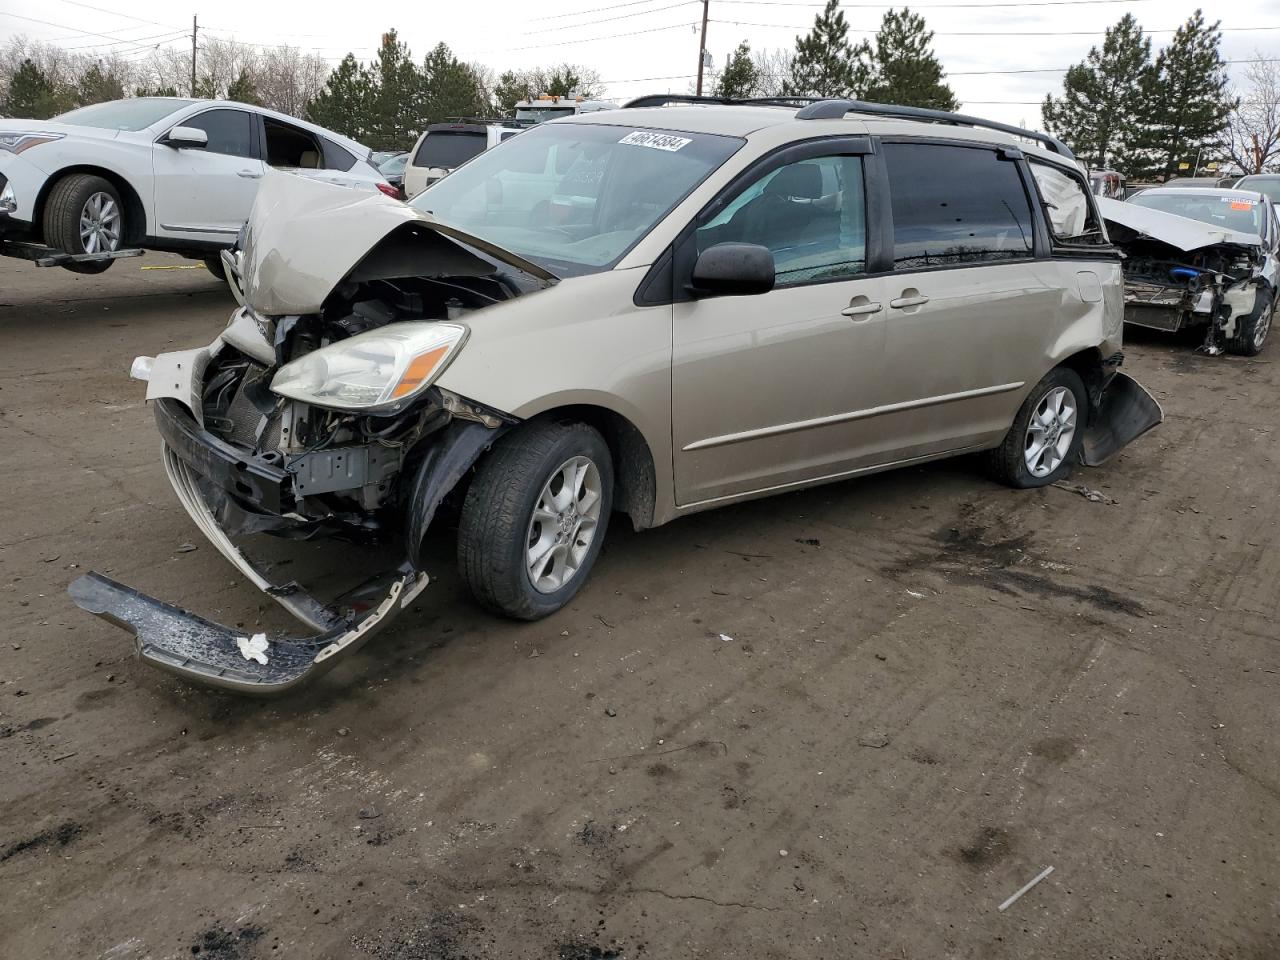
(100, 224)
(1050, 431)
(564, 524)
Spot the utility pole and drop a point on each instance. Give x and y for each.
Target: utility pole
(702, 43)
(194, 28)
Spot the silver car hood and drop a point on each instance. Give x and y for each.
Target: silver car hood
(304, 236)
(1181, 232)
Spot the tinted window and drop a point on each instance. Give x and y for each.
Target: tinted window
(575, 197)
(449, 148)
(955, 205)
(1268, 185)
(289, 146)
(228, 131)
(335, 157)
(134, 114)
(810, 214)
(1066, 206)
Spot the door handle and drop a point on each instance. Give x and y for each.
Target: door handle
(248, 174)
(860, 310)
(913, 301)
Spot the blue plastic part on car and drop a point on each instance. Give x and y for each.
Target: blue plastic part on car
(1183, 273)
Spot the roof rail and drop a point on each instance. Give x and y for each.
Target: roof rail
(662, 99)
(834, 109)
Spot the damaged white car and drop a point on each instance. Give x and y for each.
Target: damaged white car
(1198, 257)
(647, 311)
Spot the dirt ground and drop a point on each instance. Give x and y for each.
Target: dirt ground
(844, 723)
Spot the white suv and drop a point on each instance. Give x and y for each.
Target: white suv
(158, 172)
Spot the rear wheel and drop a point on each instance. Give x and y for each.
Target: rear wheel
(214, 265)
(84, 215)
(535, 517)
(1251, 330)
(1045, 438)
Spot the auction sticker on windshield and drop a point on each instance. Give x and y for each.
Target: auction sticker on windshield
(656, 141)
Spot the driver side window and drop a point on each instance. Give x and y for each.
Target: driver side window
(810, 214)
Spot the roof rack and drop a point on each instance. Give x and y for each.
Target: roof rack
(827, 108)
(662, 99)
(832, 109)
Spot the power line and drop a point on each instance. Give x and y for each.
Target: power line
(148, 41)
(578, 13)
(127, 16)
(612, 36)
(62, 26)
(992, 33)
(624, 16)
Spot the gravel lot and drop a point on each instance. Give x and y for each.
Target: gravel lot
(928, 689)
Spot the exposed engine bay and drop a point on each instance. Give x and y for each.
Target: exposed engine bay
(1185, 274)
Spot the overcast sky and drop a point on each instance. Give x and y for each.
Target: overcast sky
(646, 46)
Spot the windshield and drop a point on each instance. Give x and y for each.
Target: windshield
(1221, 209)
(135, 114)
(575, 197)
(1268, 185)
(539, 114)
(395, 166)
(449, 148)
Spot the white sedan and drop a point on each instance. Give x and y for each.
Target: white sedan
(163, 173)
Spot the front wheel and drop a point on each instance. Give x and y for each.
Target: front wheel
(214, 265)
(1252, 329)
(84, 215)
(535, 517)
(1046, 435)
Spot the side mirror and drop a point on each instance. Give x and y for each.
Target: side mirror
(186, 138)
(733, 269)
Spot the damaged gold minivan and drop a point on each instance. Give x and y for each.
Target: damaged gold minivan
(649, 311)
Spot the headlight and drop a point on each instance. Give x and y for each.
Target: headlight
(379, 371)
(17, 142)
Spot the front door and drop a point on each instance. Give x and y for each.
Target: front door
(206, 194)
(774, 389)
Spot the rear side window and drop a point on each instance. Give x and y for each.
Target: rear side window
(955, 205)
(335, 157)
(289, 146)
(1066, 205)
(449, 148)
(228, 131)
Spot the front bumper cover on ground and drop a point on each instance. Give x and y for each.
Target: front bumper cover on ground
(1125, 412)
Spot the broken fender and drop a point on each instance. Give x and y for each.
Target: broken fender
(1126, 412)
(208, 653)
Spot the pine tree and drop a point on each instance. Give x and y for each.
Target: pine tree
(243, 89)
(905, 69)
(826, 64)
(1104, 99)
(739, 78)
(1191, 101)
(31, 94)
(95, 86)
(344, 105)
(397, 88)
(450, 88)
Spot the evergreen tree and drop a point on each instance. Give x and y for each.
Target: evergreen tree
(826, 64)
(32, 95)
(1104, 99)
(95, 86)
(739, 78)
(905, 69)
(345, 103)
(397, 88)
(450, 87)
(243, 89)
(1191, 101)
(511, 88)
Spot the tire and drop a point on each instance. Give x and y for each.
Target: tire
(78, 199)
(1252, 330)
(1008, 463)
(216, 270)
(498, 528)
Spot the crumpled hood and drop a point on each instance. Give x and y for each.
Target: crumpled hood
(304, 236)
(1181, 232)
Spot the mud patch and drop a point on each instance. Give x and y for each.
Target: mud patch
(593, 836)
(219, 943)
(1057, 749)
(921, 755)
(93, 699)
(581, 951)
(441, 936)
(660, 770)
(989, 846)
(59, 836)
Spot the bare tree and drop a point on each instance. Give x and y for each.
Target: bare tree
(288, 79)
(773, 69)
(1252, 137)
